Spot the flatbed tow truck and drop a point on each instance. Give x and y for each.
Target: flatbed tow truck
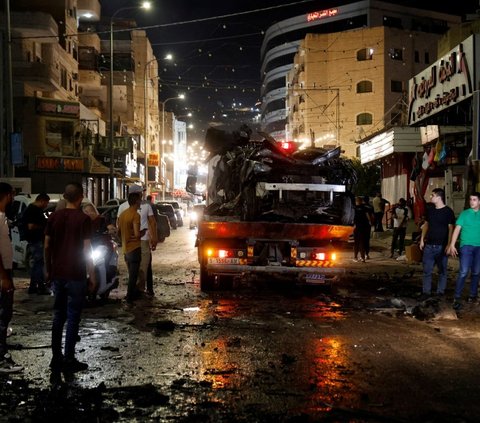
(273, 210)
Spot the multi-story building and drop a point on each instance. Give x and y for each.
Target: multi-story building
(282, 41)
(61, 82)
(344, 86)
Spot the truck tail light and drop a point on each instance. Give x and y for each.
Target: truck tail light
(224, 253)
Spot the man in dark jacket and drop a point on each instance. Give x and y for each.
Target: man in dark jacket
(35, 223)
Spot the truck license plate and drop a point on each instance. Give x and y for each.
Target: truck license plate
(316, 278)
(214, 260)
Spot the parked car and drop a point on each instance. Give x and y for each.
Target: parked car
(177, 209)
(113, 202)
(168, 210)
(196, 215)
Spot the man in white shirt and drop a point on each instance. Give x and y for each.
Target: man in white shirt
(400, 219)
(148, 241)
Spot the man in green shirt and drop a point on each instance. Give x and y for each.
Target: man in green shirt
(468, 227)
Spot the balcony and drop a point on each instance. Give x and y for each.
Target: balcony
(92, 102)
(88, 10)
(35, 25)
(40, 76)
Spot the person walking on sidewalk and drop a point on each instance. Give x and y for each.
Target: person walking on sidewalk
(434, 241)
(361, 229)
(35, 223)
(68, 259)
(400, 219)
(468, 227)
(7, 365)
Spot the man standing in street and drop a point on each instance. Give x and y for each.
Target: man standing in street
(130, 234)
(149, 241)
(468, 227)
(35, 223)
(7, 365)
(434, 241)
(68, 259)
(378, 204)
(400, 219)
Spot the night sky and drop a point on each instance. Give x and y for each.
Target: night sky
(217, 61)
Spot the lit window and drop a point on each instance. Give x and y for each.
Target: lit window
(365, 54)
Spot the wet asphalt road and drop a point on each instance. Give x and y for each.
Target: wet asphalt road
(366, 351)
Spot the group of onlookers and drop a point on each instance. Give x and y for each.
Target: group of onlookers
(439, 232)
(61, 257)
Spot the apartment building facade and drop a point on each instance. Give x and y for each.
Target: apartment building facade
(345, 86)
(282, 40)
(61, 81)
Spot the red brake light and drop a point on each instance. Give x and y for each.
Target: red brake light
(288, 146)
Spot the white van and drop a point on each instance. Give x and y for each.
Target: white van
(20, 203)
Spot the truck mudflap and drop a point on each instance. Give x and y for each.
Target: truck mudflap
(308, 275)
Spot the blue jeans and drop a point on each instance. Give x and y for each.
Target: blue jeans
(469, 263)
(434, 255)
(37, 276)
(67, 307)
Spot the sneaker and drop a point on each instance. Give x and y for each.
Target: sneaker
(355, 260)
(72, 365)
(56, 364)
(457, 305)
(368, 257)
(7, 365)
(472, 300)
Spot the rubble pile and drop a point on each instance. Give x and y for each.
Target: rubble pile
(239, 165)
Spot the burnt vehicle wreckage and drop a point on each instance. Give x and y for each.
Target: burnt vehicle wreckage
(272, 211)
(247, 180)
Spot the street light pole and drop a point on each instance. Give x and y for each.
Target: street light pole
(164, 167)
(145, 5)
(145, 121)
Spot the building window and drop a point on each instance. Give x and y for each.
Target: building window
(392, 22)
(417, 56)
(364, 87)
(427, 58)
(63, 77)
(396, 86)
(59, 137)
(396, 54)
(365, 54)
(364, 119)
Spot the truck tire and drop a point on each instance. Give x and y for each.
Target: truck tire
(207, 282)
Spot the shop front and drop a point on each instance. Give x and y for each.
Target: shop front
(443, 105)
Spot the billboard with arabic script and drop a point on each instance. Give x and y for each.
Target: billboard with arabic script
(449, 80)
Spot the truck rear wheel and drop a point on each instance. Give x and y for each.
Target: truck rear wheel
(214, 282)
(207, 282)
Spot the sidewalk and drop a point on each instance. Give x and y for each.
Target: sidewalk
(380, 261)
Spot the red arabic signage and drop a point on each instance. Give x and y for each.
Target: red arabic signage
(321, 14)
(52, 107)
(65, 164)
(448, 81)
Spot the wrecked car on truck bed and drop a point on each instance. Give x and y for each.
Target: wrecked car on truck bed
(272, 210)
